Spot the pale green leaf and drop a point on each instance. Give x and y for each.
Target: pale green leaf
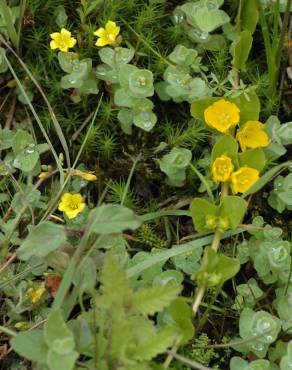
(41, 240)
(151, 300)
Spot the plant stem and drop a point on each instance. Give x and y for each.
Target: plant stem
(215, 245)
(216, 240)
(198, 299)
(170, 356)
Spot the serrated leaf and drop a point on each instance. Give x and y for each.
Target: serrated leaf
(155, 345)
(151, 300)
(113, 279)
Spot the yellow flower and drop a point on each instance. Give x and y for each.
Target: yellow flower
(222, 115)
(62, 40)
(71, 204)
(85, 175)
(35, 293)
(252, 135)
(222, 168)
(243, 179)
(108, 35)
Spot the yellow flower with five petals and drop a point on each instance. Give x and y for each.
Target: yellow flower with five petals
(252, 135)
(222, 115)
(243, 179)
(71, 204)
(107, 35)
(62, 40)
(222, 168)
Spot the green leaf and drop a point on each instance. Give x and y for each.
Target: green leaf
(238, 363)
(60, 16)
(284, 133)
(57, 334)
(141, 83)
(216, 268)
(71, 81)
(200, 209)
(3, 64)
(166, 277)
(31, 345)
(106, 73)
(7, 15)
(115, 285)
(67, 60)
(41, 240)
(155, 345)
(240, 49)
(181, 316)
(183, 56)
(21, 141)
(61, 361)
(27, 160)
(125, 73)
(125, 116)
(254, 158)
(199, 106)
(6, 138)
(145, 120)
(249, 15)
(89, 86)
(174, 165)
(111, 219)
(225, 145)
(148, 301)
(208, 20)
(249, 105)
(123, 99)
(234, 208)
(114, 58)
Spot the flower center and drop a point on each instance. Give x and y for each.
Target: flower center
(142, 81)
(222, 168)
(243, 180)
(224, 118)
(73, 205)
(63, 41)
(111, 36)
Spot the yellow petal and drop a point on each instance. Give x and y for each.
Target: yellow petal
(54, 35)
(64, 48)
(112, 28)
(77, 198)
(72, 42)
(100, 32)
(102, 42)
(53, 45)
(65, 32)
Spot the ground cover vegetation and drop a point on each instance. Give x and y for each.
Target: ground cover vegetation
(145, 184)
